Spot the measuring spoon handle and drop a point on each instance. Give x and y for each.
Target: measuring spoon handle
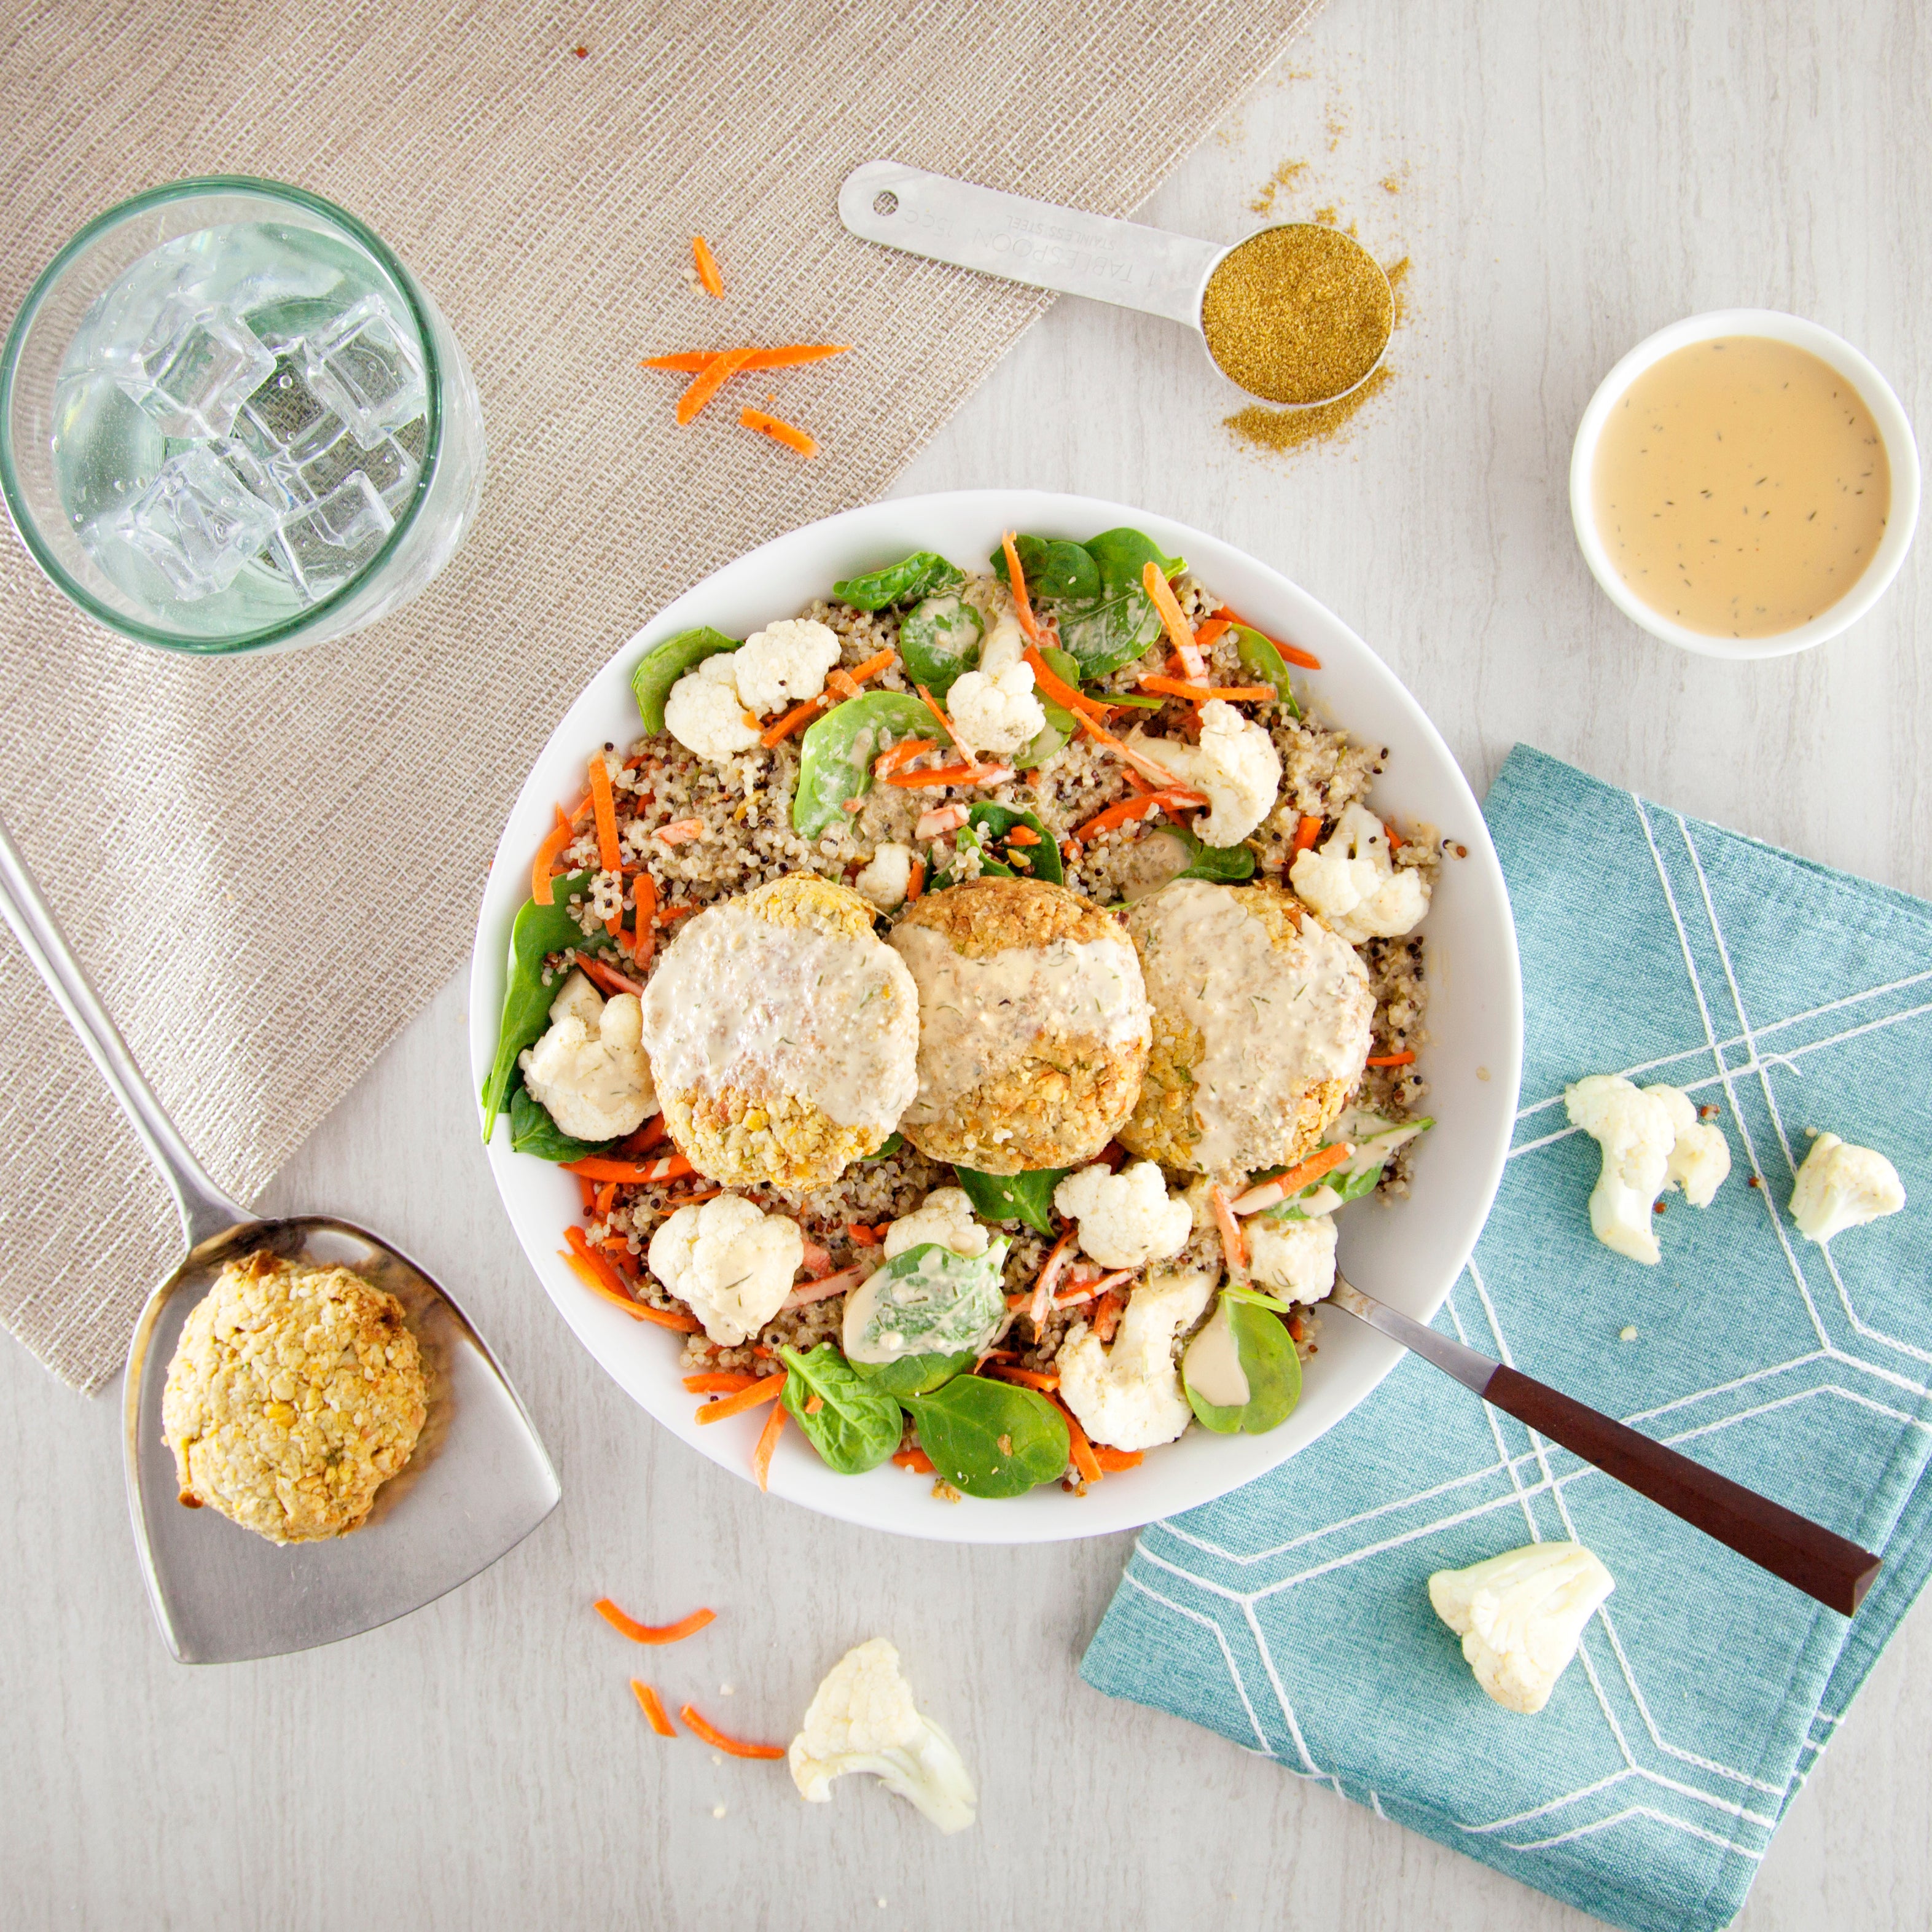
(1037, 243)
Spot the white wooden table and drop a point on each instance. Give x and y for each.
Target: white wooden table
(1571, 176)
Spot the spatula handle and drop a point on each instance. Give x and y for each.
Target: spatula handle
(1805, 1554)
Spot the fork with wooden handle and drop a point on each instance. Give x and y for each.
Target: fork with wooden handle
(1808, 1555)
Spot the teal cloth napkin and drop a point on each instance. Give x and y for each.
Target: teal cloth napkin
(1292, 1616)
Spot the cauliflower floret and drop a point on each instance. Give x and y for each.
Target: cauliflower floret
(1235, 763)
(1129, 1397)
(1840, 1186)
(888, 878)
(863, 1718)
(945, 1216)
(1126, 1220)
(588, 1071)
(1353, 883)
(1700, 1157)
(704, 712)
(785, 664)
(731, 1262)
(995, 706)
(1520, 1616)
(1295, 1259)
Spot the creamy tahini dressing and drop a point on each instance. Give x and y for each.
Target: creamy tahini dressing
(978, 1017)
(1270, 1022)
(737, 1002)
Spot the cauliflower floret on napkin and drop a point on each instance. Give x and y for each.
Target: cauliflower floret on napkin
(1641, 1131)
(1840, 1186)
(1521, 1616)
(732, 1262)
(588, 1070)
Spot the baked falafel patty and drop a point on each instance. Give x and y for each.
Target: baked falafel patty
(1033, 1024)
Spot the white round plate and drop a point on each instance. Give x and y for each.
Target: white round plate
(1409, 1253)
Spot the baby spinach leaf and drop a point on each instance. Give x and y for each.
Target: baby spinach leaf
(1026, 1196)
(1226, 863)
(995, 821)
(1376, 1139)
(1053, 567)
(533, 1132)
(1106, 618)
(1267, 1355)
(855, 1425)
(835, 760)
(663, 664)
(915, 1375)
(1264, 662)
(893, 1144)
(928, 1300)
(989, 1438)
(1051, 737)
(939, 642)
(538, 932)
(919, 575)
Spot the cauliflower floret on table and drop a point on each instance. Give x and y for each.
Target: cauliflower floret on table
(887, 880)
(1235, 763)
(1520, 1616)
(1641, 1131)
(1126, 1220)
(1840, 1186)
(1294, 1259)
(1353, 883)
(732, 1263)
(706, 714)
(995, 706)
(588, 1071)
(945, 1216)
(785, 664)
(1130, 1396)
(863, 1718)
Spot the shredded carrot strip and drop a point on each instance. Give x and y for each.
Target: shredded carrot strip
(604, 976)
(579, 1246)
(1122, 810)
(1061, 1253)
(799, 714)
(1107, 1311)
(950, 775)
(609, 855)
(817, 1403)
(903, 753)
(1022, 834)
(768, 1386)
(601, 1167)
(679, 831)
(941, 819)
(716, 1738)
(1270, 1191)
(1058, 688)
(709, 380)
(1305, 659)
(643, 940)
(643, 1140)
(917, 1460)
(767, 1441)
(1210, 633)
(1026, 1378)
(639, 1633)
(945, 724)
(802, 442)
(866, 1237)
(916, 882)
(1084, 1460)
(554, 841)
(653, 1709)
(671, 913)
(1180, 633)
(1200, 693)
(862, 673)
(1016, 583)
(707, 266)
(607, 1196)
(786, 356)
(1137, 759)
(1115, 1460)
(588, 1195)
(1234, 1243)
(1306, 832)
(1389, 1060)
(720, 1381)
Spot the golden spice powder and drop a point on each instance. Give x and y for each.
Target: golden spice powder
(1297, 314)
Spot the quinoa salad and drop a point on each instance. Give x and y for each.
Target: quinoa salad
(964, 1006)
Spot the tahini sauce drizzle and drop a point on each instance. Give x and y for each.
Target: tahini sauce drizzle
(977, 1017)
(737, 1002)
(1270, 1022)
(1741, 487)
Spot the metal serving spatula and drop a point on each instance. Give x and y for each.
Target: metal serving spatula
(1805, 1554)
(478, 1483)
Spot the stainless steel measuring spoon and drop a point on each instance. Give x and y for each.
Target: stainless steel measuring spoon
(1046, 246)
(478, 1483)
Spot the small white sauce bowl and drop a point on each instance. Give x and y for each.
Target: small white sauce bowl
(1901, 453)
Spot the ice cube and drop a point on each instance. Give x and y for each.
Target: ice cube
(196, 523)
(193, 369)
(283, 409)
(392, 469)
(365, 366)
(326, 543)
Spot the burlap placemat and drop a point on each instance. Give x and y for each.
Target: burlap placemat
(269, 865)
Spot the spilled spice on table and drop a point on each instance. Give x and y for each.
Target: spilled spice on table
(1286, 176)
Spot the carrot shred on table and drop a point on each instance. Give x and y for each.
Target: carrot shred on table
(1047, 679)
(1115, 1460)
(709, 380)
(915, 880)
(653, 1709)
(1201, 694)
(1234, 1243)
(1307, 660)
(799, 714)
(707, 267)
(1306, 832)
(917, 1460)
(1084, 1460)
(802, 442)
(1122, 810)
(786, 355)
(765, 1388)
(610, 854)
(1027, 1378)
(1016, 583)
(639, 1633)
(554, 841)
(767, 1441)
(719, 1740)
(903, 753)
(1389, 1060)
(1180, 632)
